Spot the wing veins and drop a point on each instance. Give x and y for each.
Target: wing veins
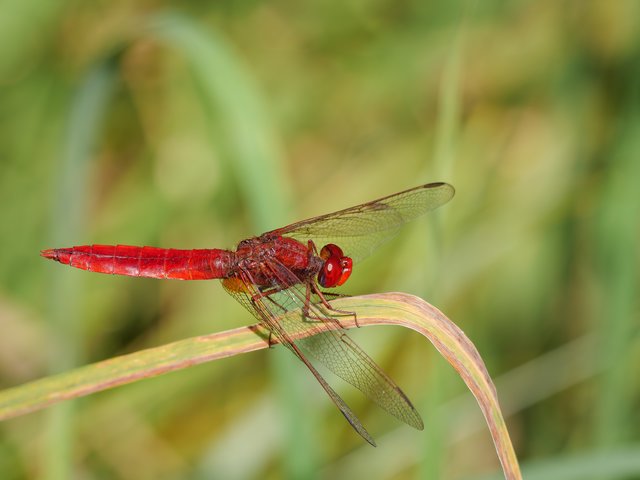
(348, 361)
(263, 314)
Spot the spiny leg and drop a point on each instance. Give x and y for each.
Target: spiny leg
(306, 309)
(321, 295)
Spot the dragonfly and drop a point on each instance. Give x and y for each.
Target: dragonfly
(282, 277)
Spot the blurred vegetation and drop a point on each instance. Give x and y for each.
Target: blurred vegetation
(199, 124)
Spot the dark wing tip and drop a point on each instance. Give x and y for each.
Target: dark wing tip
(362, 432)
(443, 186)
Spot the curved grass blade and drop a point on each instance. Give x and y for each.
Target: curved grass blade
(378, 309)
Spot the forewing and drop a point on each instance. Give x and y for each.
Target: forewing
(359, 230)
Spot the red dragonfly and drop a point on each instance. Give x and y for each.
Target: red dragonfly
(283, 272)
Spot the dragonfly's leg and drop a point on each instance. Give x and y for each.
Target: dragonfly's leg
(306, 311)
(333, 295)
(342, 312)
(323, 300)
(312, 248)
(267, 291)
(276, 304)
(267, 294)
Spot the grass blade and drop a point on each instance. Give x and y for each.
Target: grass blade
(379, 309)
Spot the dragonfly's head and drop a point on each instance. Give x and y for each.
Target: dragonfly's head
(336, 268)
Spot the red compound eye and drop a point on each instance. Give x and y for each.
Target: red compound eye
(336, 268)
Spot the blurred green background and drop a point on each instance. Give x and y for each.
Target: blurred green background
(197, 124)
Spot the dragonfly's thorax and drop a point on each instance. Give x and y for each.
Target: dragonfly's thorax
(262, 258)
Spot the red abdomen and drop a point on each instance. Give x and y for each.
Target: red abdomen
(145, 261)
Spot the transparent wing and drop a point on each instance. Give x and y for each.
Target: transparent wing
(359, 230)
(336, 350)
(262, 307)
(329, 345)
